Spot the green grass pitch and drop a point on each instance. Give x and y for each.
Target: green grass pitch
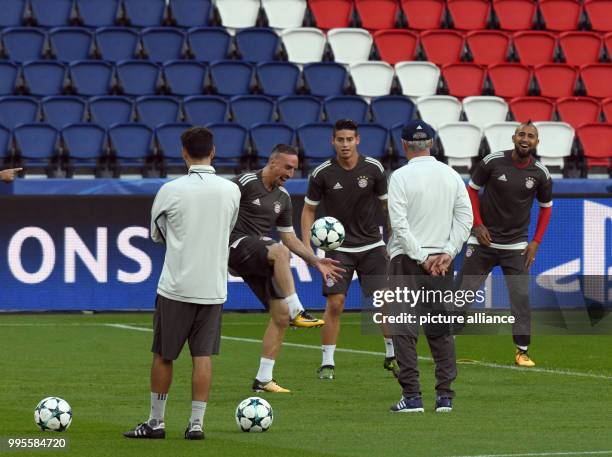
(564, 407)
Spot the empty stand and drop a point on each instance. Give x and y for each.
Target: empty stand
(162, 43)
(17, 110)
(283, 14)
(266, 135)
(377, 14)
(556, 139)
(315, 141)
(21, 44)
(248, 110)
(51, 13)
(5, 138)
(205, 109)
(509, 79)
(488, 47)
(329, 14)
(577, 111)
(606, 108)
(532, 109)
(98, 13)
(116, 43)
(238, 14)
(438, 110)
(131, 143)
(299, 109)
(108, 110)
(36, 144)
(304, 44)
(145, 13)
(580, 48)
(395, 45)
(168, 138)
(469, 14)
(560, 15)
(535, 47)
(423, 14)
(515, 14)
(464, 79)
(155, 110)
(556, 80)
(372, 79)
(499, 135)
(597, 79)
(137, 77)
(442, 46)
(8, 77)
(44, 77)
(190, 13)
(230, 141)
(85, 144)
(62, 110)
(257, 44)
(599, 14)
(596, 140)
(278, 78)
(185, 77)
(209, 43)
(481, 111)
(392, 110)
(12, 14)
(373, 140)
(91, 77)
(461, 142)
(350, 45)
(231, 78)
(346, 107)
(71, 43)
(418, 79)
(325, 78)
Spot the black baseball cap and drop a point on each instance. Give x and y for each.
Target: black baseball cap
(418, 130)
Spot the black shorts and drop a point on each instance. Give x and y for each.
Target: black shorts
(175, 322)
(250, 261)
(371, 267)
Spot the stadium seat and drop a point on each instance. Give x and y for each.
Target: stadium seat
(17, 110)
(396, 142)
(63, 110)
(461, 142)
(515, 14)
(392, 110)
(599, 14)
(295, 110)
(278, 78)
(418, 79)
(469, 14)
(577, 111)
(608, 42)
(372, 79)
(509, 79)
(438, 110)
(36, 143)
(315, 141)
(535, 47)
(464, 79)
(423, 14)
(284, 14)
(596, 140)
(208, 44)
(499, 135)
(12, 14)
(51, 13)
(184, 77)
(532, 109)
(21, 44)
(257, 44)
(325, 78)
(248, 110)
(205, 109)
(560, 15)
(373, 140)
(265, 136)
(580, 48)
(606, 108)
(8, 77)
(395, 45)
(230, 143)
(377, 14)
(108, 110)
(304, 44)
(190, 13)
(488, 47)
(116, 43)
(168, 138)
(346, 107)
(329, 14)
(556, 140)
(98, 13)
(137, 77)
(350, 45)
(91, 77)
(5, 138)
(596, 79)
(44, 77)
(162, 43)
(556, 80)
(238, 14)
(71, 43)
(481, 111)
(85, 144)
(442, 46)
(155, 110)
(145, 13)
(131, 143)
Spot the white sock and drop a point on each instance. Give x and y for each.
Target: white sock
(295, 306)
(389, 349)
(265, 370)
(328, 354)
(198, 408)
(158, 408)
(522, 348)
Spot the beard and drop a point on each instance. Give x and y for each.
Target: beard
(525, 153)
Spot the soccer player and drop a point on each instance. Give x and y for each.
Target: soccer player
(9, 174)
(352, 187)
(264, 264)
(511, 180)
(193, 216)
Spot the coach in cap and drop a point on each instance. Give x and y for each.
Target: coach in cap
(431, 218)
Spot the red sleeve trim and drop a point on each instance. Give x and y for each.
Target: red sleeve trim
(473, 194)
(543, 220)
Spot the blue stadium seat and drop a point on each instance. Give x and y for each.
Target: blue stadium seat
(17, 110)
(205, 109)
(392, 110)
(374, 140)
(315, 141)
(62, 110)
(44, 77)
(138, 77)
(231, 77)
(249, 110)
(5, 145)
(346, 107)
(396, 139)
(155, 110)
(145, 13)
(12, 12)
(51, 13)
(98, 13)
(116, 43)
(278, 78)
(230, 143)
(185, 77)
(85, 144)
(169, 142)
(191, 13)
(108, 110)
(91, 77)
(21, 44)
(163, 43)
(36, 144)
(71, 43)
(324, 79)
(208, 44)
(266, 135)
(8, 77)
(131, 143)
(257, 44)
(296, 110)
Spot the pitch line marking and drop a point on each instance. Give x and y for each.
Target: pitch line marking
(540, 454)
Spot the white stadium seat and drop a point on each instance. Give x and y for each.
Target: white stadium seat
(437, 110)
(418, 79)
(461, 142)
(303, 44)
(350, 45)
(238, 14)
(499, 135)
(483, 110)
(556, 139)
(372, 79)
(283, 14)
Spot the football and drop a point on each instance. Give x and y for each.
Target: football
(53, 413)
(327, 233)
(254, 414)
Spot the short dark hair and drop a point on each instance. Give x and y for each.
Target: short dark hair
(198, 142)
(284, 149)
(345, 124)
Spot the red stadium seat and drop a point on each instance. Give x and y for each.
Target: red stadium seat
(596, 140)
(560, 15)
(515, 14)
(330, 14)
(469, 14)
(577, 111)
(510, 79)
(608, 42)
(423, 14)
(534, 48)
(464, 79)
(488, 46)
(556, 80)
(377, 14)
(395, 45)
(580, 48)
(532, 108)
(597, 79)
(599, 14)
(606, 108)
(442, 46)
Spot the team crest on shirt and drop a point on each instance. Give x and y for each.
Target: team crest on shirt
(529, 182)
(362, 182)
(469, 251)
(277, 207)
